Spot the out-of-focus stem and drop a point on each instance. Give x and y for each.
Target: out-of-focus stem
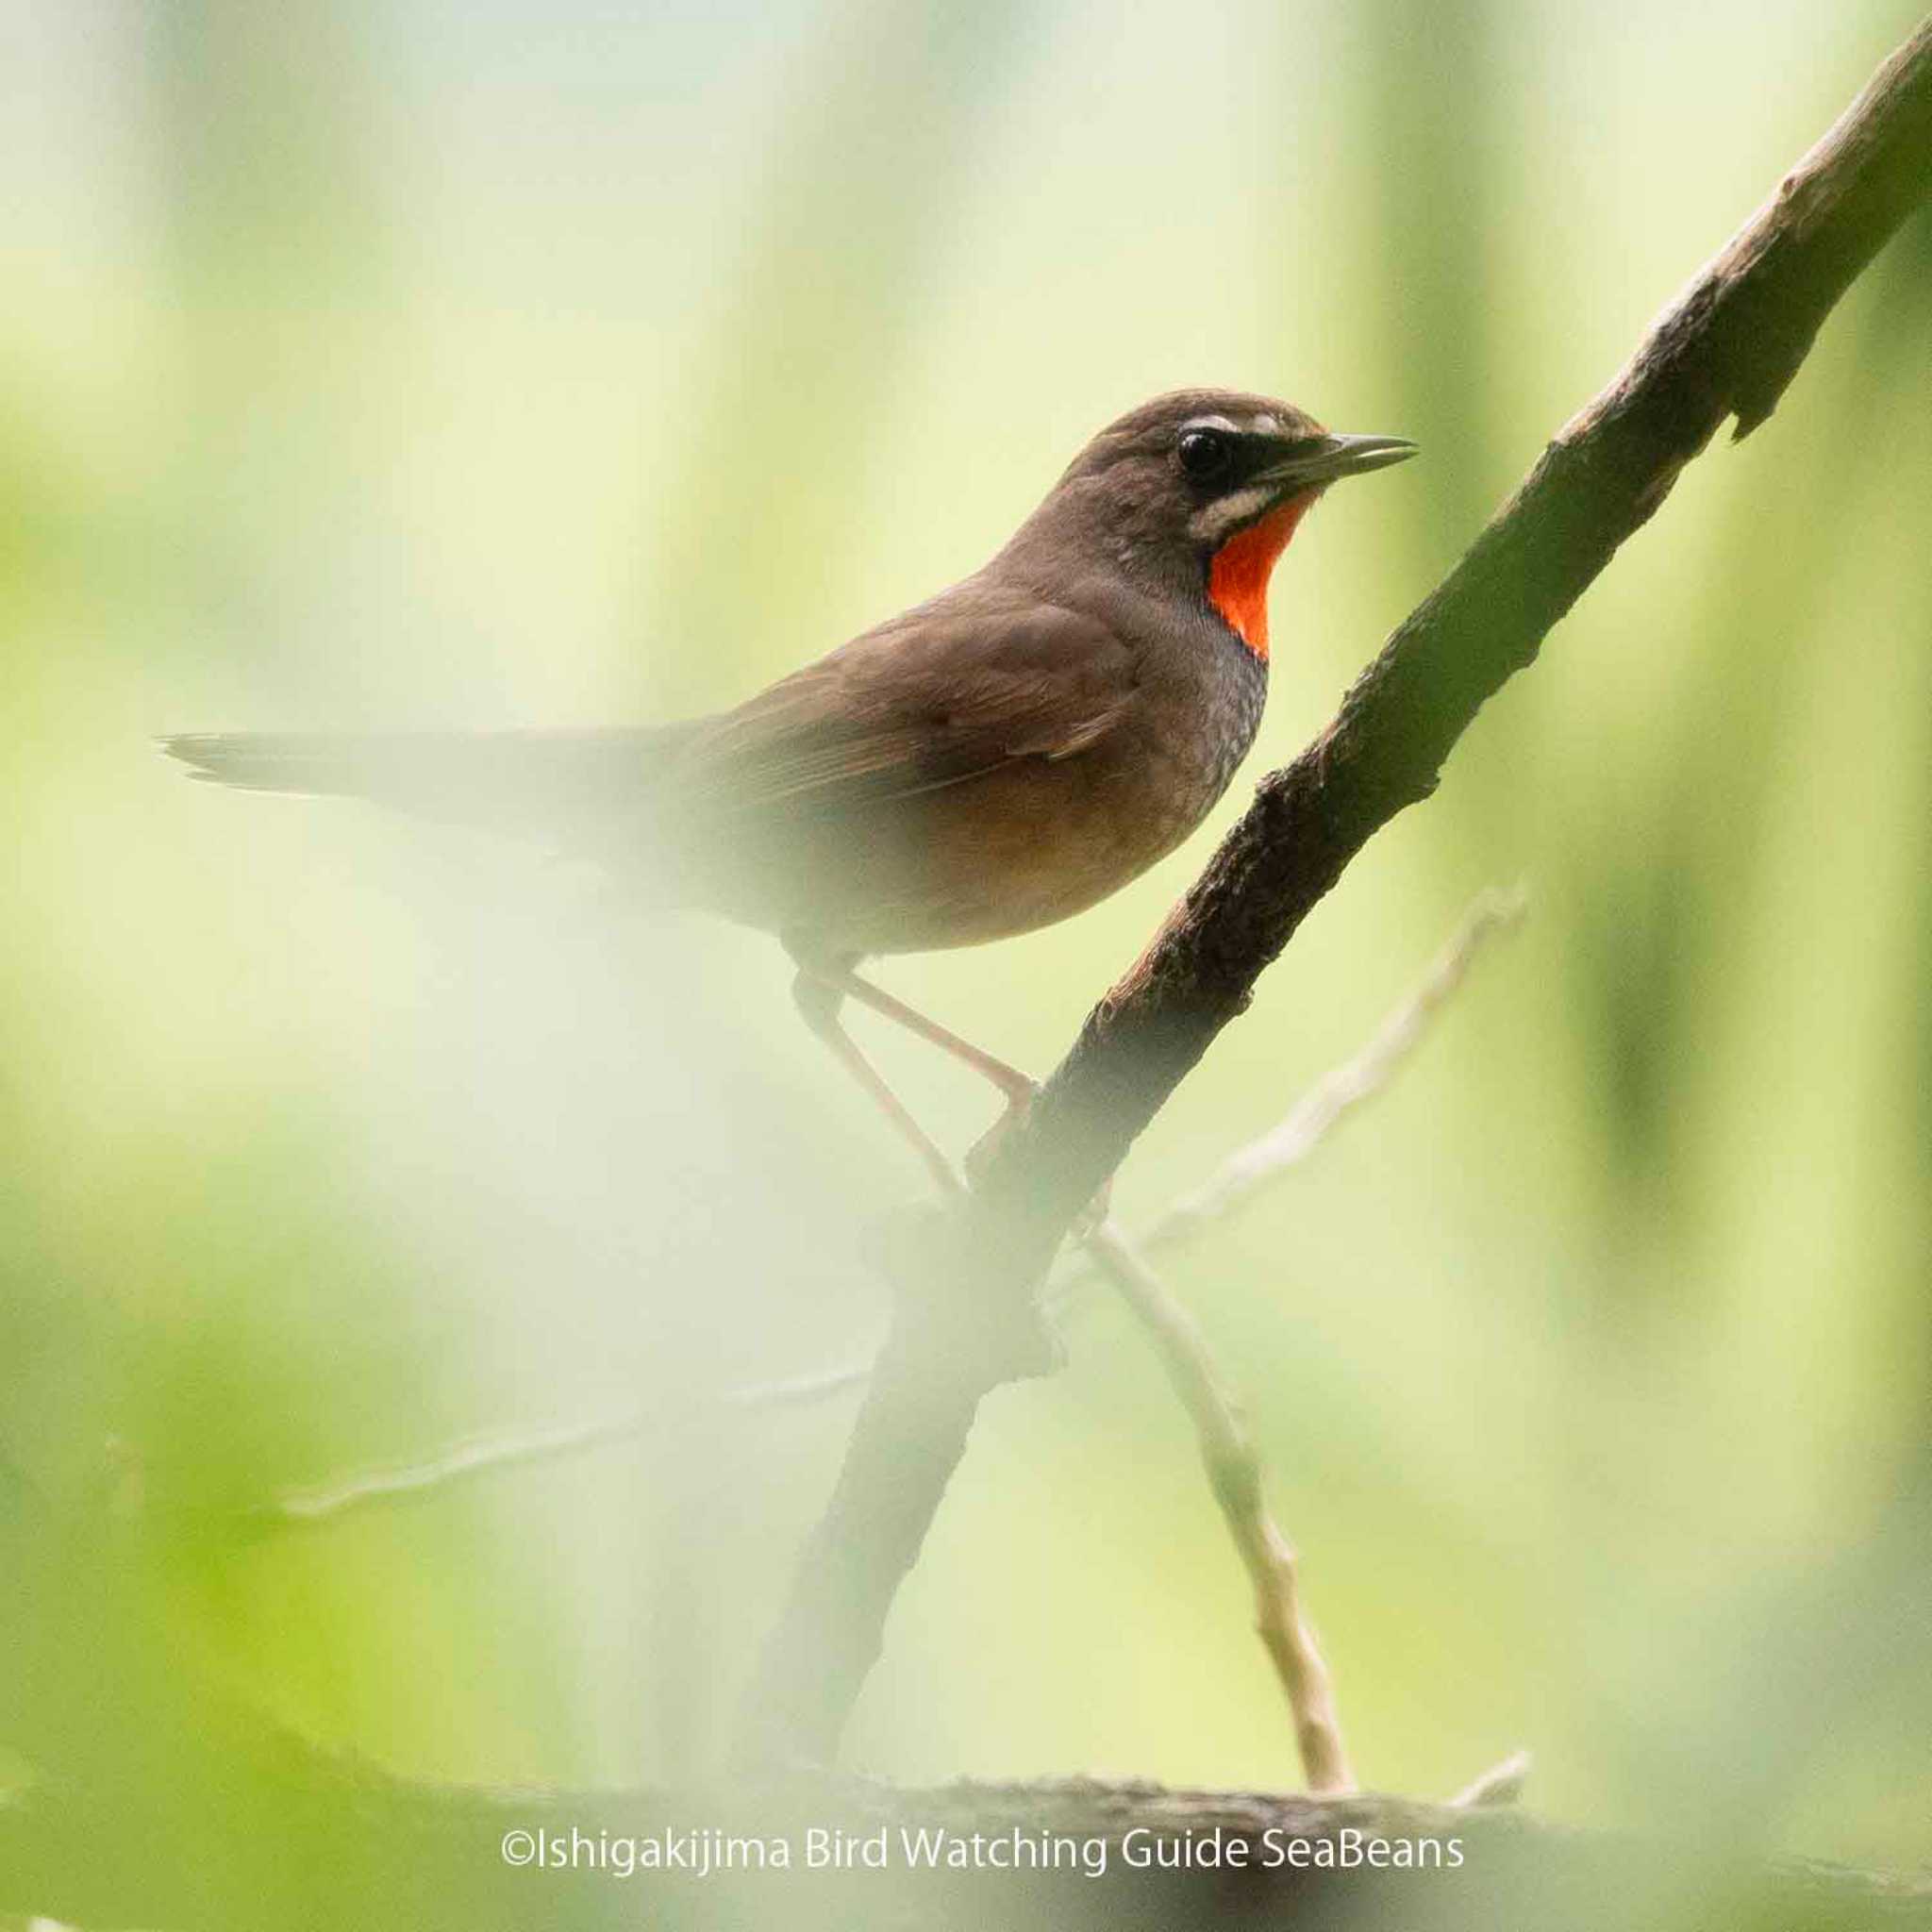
(1234, 1471)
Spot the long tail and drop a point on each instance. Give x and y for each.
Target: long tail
(555, 785)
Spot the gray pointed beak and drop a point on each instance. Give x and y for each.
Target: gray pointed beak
(1328, 458)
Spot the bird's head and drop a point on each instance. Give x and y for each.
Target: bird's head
(1202, 488)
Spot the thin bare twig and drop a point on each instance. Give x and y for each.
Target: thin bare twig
(1342, 1089)
(1502, 1784)
(1227, 1448)
(463, 1461)
(494, 1452)
(1234, 1473)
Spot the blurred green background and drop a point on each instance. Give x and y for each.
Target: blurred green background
(407, 364)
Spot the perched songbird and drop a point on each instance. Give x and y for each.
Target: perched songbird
(992, 760)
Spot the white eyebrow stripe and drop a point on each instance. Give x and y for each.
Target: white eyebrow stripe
(1210, 423)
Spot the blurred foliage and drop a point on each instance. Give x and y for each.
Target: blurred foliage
(407, 364)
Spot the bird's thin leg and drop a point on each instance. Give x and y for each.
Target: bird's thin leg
(1015, 1085)
(818, 1000)
(819, 989)
(1018, 1087)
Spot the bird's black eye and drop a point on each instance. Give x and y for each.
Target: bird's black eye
(1205, 454)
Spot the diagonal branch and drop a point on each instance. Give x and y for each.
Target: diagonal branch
(1727, 347)
(965, 1318)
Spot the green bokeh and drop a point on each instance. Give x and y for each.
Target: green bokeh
(402, 363)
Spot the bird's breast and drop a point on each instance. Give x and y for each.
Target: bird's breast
(1032, 840)
(1043, 838)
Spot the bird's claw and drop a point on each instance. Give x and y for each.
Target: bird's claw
(980, 1155)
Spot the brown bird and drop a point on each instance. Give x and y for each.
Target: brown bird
(992, 760)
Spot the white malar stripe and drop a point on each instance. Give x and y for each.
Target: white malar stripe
(1212, 521)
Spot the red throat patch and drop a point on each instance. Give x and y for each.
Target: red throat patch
(1237, 573)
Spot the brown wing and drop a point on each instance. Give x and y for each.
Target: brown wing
(946, 693)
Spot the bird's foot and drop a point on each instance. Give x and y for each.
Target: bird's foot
(979, 1155)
